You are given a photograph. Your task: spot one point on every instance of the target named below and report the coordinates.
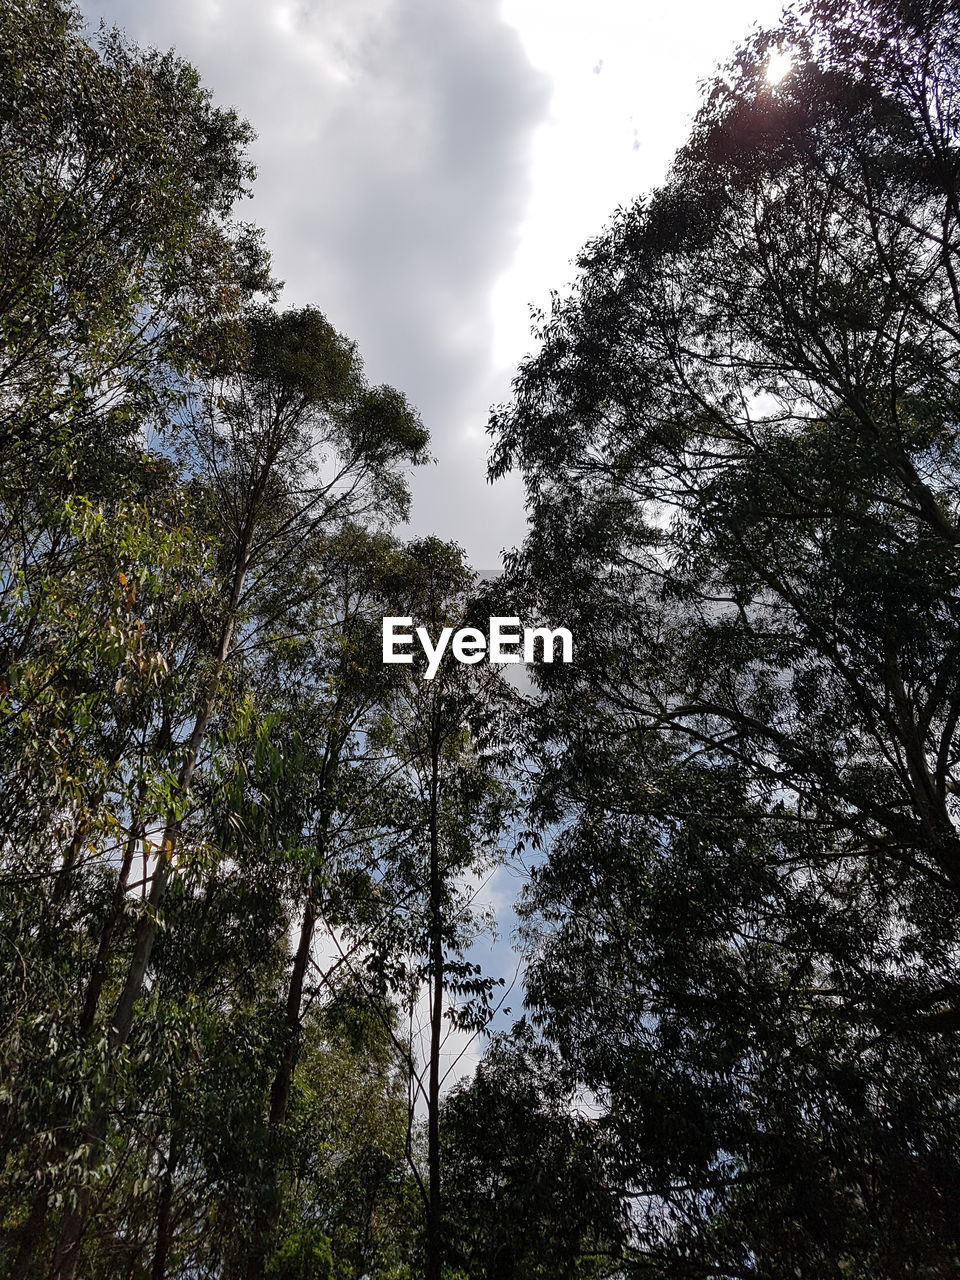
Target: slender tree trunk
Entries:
(98, 972)
(30, 1237)
(61, 886)
(164, 1213)
(290, 1051)
(434, 1244)
(283, 1079)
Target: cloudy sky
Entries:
(429, 168)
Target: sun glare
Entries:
(779, 65)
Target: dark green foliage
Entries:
(118, 178)
(739, 441)
(302, 1256)
(530, 1185)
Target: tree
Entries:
(194, 507)
(326, 678)
(119, 179)
(292, 443)
(530, 1191)
(741, 457)
(446, 745)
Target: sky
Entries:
(429, 169)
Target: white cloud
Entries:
(393, 159)
(428, 168)
(625, 87)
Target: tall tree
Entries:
(447, 745)
(189, 504)
(530, 1189)
(291, 443)
(739, 440)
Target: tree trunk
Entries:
(33, 1227)
(289, 1057)
(30, 1237)
(98, 972)
(164, 1215)
(434, 1245)
(283, 1079)
(282, 1082)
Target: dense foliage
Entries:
(742, 456)
(227, 876)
